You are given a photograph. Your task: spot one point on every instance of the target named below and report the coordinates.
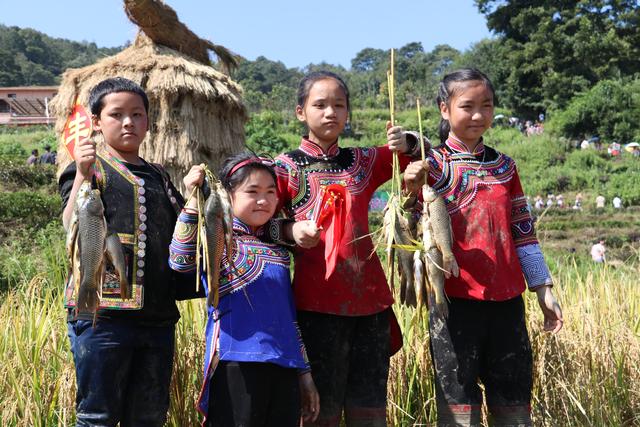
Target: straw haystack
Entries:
(196, 113)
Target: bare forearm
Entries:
(68, 209)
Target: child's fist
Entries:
(193, 178)
(306, 234)
(85, 156)
(396, 138)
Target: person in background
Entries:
(598, 252)
(48, 158)
(577, 205)
(600, 201)
(550, 200)
(617, 202)
(560, 201)
(33, 159)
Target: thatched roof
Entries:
(161, 24)
(196, 112)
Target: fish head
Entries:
(93, 204)
(428, 194)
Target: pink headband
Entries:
(263, 161)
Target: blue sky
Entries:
(294, 32)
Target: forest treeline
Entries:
(578, 61)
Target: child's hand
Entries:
(550, 309)
(414, 176)
(85, 156)
(309, 397)
(396, 139)
(193, 178)
(306, 234)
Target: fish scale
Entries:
(92, 231)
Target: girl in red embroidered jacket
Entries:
(344, 319)
(484, 336)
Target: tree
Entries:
(369, 59)
(558, 48)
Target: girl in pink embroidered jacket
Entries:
(496, 249)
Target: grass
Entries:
(585, 375)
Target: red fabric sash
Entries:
(331, 213)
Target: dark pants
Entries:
(123, 372)
(349, 359)
(252, 394)
(486, 341)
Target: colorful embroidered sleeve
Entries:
(530, 255)
(182, 250)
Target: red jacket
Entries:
(358, 285)
(493, 233)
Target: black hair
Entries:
(307, 82)
(34, 152)
(47, 147)
(114, 85)
(448, 87)
(231, 181)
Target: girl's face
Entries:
(123, 122)
(254, 200)
(470, 111)
(325, 112)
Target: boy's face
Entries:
(123, 121)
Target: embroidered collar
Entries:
(312, 149)
(241, 228)
(460, 147)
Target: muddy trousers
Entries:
(349, 357)
(251, 394)
(123, 372)
(484, 341)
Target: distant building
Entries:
(28, 105)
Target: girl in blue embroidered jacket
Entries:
(253, 331)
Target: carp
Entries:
(88, 242)
(400, 233)
(218, 233)
(115, 254)
(437, 241)
(91, 234)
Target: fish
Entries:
(440, 225)
(218, 233)
(419, 278)
(115, 254)
(91, 235)
(405, 261)
(437, 238)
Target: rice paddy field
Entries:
(586, 375)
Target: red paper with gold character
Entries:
(77, 129)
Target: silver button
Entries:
(141, 199)
(142, 245)
(143, 209)
(140, 273)
(142, 237)
(140, 263)
(142, 217)
(141, 253)
(141, 181)
(143, 227)
(169, 192)
(141, 190)
(173, 200)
